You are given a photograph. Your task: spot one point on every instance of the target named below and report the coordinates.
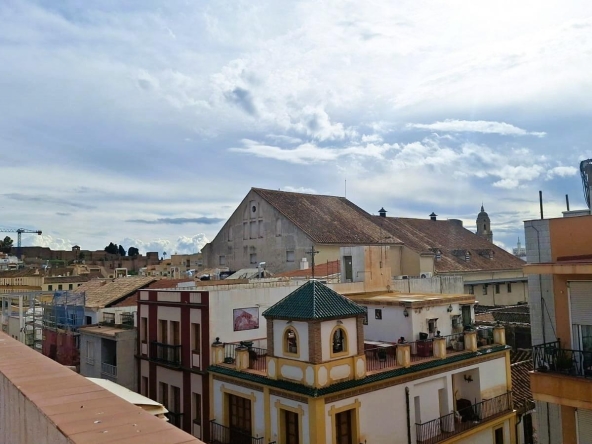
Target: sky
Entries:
(145, 122)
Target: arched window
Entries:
(291, 341)
(339, 340)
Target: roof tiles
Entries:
(103, 292)
(327, 219)
(452, 239)
(311, 301)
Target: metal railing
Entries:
(484, 336)
(378, 358)
(127, 320)
(175, 419)
(220, 434)
(165, 353)
(108, 319)
(257, 359)
(109, 370)
(446, 426)
(230, 352)
(551, 357)
(455, 342)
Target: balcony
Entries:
(382, 356)
(166, 354)
(220, 434)
(175, 419)
(257, 355)
(109, 370)
(445, 427)
(551, 357)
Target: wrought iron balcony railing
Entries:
(166, 353)
(551, 357)
(175, 419)
(441, 429)
(220, 434)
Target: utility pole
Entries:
(312, 253)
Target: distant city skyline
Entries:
(146, 123)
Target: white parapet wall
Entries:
(436, 284)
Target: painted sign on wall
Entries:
(245, 318)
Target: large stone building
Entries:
(280, 228)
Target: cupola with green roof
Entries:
(315, 336)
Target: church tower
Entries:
(484, 225)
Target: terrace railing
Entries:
(220, 434)
(551, 357)
(443, 428)
(166, 353)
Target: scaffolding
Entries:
(21, 316)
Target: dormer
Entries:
(315, 337)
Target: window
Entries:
(253, 258)
(254, 233)
(497, 288)
(49, 287)
(195, 338)
(59, 286)
(339, 341)
(466, 315)
(484, 227)
(245, 230)
(498, 435)
(229, 235)
(343, 427)
(196, 408)
(239, 413)
(163, 394)
(290, 256)
(290, 341)
(278, 227)
(378, 313)
(144, 330)
(90, 352)
(484, 289)
(88, 320)
(175, 399)
(471, 289)
(175, 333)
(222, 260)
(432, 326)
(290, 428)
(144, 386)
(509, 287)
(261, 229)
(70, 287)
(163, 331)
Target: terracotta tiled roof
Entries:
(521, 393)
(104, 292)
(327, 219)
(67, 279)
(453, 240)
(322, 270)
(24, 272)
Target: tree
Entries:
(133, 251)
(121, 250)
(112, 248)
(6, 245)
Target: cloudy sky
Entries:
(146, 122)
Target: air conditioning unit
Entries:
(403, 276)
(426, 275)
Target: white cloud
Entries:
(562, 171)
(299, 190)
(46, 240)
(182, 245)
(476, 126)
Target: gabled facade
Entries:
(279, 228)
(323, 380)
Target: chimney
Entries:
(433, 216)
(382, 212)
